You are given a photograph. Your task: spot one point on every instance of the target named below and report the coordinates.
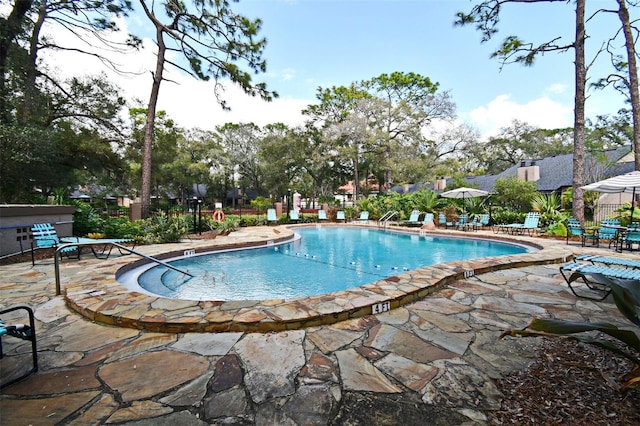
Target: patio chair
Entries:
(44, 235)
(340, 216)
(22, 332)
(631, 236)
(463, 222)
(609, 260)
(271, 216)
(294, 216)
(589, 275)
(442, 221)
(607, 232)
(322, 215)
(575, 229)
(428, 217)
(364, 216)
(530, 225)
(414, 219)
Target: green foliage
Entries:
(626, 295)
(86, 219)
(162, 228)
(122, 227)
(514, 194)
(501, 215)
(624, 214)
(230, 224)
(557, 229)
(261, 203)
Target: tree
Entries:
(410, 103)
(213, 40)
(486, 16)
(625, 77)
(517, 142)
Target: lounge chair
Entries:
(294, 216)
(322, 215)
(22, 332)
(364, 216)
(589, 275)
(428, 217)
(609, 260)
(271, 216)
(414, 219)
(44, 235)
(479, 221)
(529, 226)
(340, 216)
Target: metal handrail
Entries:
(56, 258)
(386, 217)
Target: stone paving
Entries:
(430, 360)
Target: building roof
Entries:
(556, 172)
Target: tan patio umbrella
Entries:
(629, 182)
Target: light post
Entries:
(288, 201)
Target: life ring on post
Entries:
(218, 216)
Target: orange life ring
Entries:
(218, 216)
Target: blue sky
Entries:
(326, 43)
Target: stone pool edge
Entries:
(98, 296)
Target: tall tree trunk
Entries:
(149, 128)
(623, 14)
(578, 123)
(9, 30)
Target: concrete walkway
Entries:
(430, 361)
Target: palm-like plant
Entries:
(626, 295)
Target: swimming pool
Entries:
(322, 260)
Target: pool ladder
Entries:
(382, 222)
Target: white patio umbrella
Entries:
(629, 182)
(464, 193)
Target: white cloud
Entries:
(501, 111)
(188, 101)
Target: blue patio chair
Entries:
(575, 229)
(631, 236)
(322, 215)
(44, 236)
(428, 217)
(530, 225)
(271, 216)
(608, 231)
(609, 260)
(22, 332)
(589, 273)
(463, 222)
(294, 216)
(414, 219)
(340, 216)
(442, 221)
(364, 216)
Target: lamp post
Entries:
(288, 201)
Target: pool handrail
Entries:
(56, 259)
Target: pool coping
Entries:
(98, 296)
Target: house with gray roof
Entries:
(551, 174)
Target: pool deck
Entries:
(319, 360)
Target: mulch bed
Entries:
(568, 383)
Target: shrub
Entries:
(162, 228)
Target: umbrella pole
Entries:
(633, 203)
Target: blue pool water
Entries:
(323, 260)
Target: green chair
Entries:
(44, 235)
